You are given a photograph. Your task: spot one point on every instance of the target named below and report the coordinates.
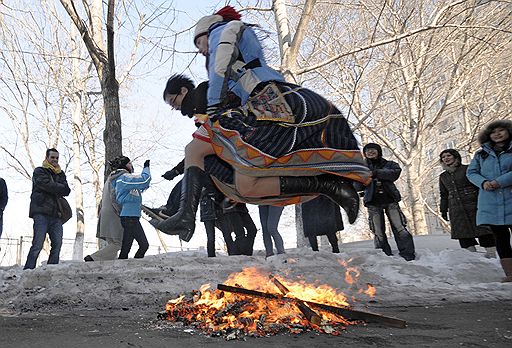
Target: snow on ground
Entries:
(442, 273)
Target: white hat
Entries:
(205, 23)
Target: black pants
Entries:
(333, 240)
(133, 230)
(484, 241)
(502, 236)
(245, 232)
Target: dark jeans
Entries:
(502, 236)
(245, 232)
(333, 240)
(45, 224)
(133, 230)
(269, 217)
(225, 227)
(224, 224)
(484, 241)
(398, 224)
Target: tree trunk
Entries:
(112, 135)
(418, 225)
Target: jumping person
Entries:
(284, 141)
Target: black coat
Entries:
(384, 174)
(3, 195)
(46, 187)
(321, 216)
(459, 198)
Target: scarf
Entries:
(48, 165)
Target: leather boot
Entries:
(506, 264)
(183, 223)
(339, 190)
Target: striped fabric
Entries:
(319, 141)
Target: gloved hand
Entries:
(170, 174)
(444, 215)
(146, 164)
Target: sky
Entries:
(443, 273)
(151, 130)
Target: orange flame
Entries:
(218, 311)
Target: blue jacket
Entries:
(128, 188)
(494, 207)
(236, 62)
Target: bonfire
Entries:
(255, 303)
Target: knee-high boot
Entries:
(339, 190)
(184, 221)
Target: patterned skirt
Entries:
(316, 140)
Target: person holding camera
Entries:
(128, 190)
(382, 196)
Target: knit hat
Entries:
(373, 146)
(227, 13)
(119, 162)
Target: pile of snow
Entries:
(441, 272)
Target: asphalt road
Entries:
(486, 324)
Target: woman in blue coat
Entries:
(128, 189)
(491, 171)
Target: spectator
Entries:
(242, 225)
(269, 217)
(212, 216)
(382, 196)
(321, 217)
(491, 171)
(458, 198)
(109, 226)
(48, 183)
(3, 203)
(128, 192)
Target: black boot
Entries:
(184, 221)
(338, 189)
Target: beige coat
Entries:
(109, 223)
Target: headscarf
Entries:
(227, 13)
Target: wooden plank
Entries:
(347, 312)
(310, 314)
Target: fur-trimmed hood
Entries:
(485, 133)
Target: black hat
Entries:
(119, 162)
(373, 146)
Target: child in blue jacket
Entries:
(128, 189)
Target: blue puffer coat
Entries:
(128, 188)
(494, 207)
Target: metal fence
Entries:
(13, 251)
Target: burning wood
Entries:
(303, 307)
(347, 312)
(233, 310)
